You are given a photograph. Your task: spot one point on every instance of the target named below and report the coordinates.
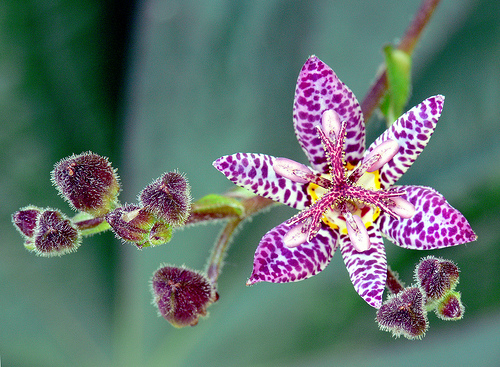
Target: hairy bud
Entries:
(136, 224)
(436, 277)
(25, 220)
(54, 235)
(168, 197)
(182, 295)
(87, 182)
(404, 314)
(450, 307)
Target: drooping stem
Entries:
(215, 263)
(407, 44)
(392, 283)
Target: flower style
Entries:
(347, 196)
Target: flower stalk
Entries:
(407, 45)
(252, 205)
(393, 283)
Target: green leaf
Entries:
(399, 83)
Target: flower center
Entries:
(333, 217)
(345, 196)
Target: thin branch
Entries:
(215, 263)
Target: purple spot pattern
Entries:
(319, 89)
(367, 270)
(436, 224)
(412, 132)
(255, 173)
(276, 263)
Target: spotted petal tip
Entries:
(412, 132)
(319, 89)
(276, 263)
(435, 224)
(367, 269)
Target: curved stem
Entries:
(215, 263)
(407, 44)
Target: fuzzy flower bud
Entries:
(182, 295)
(54, 235)
(168, 197)
(87, 182)
(136, 224)
(404, 314)
(25, 220)
(436, 277)
(450, 307)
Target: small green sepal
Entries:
(398, 65)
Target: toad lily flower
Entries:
(346, 196)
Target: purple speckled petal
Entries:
(318, 89)
(255, 173)
(276, 263)
(412, 131)
(435, 224)
(368, 269)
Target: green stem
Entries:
(407, 44)
(215, 263)
(92, 226)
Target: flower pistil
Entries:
(348, 198)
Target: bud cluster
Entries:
(136, 224)
(91, 186)
(47, 232)
(405, 311)
(437, 278)
(163, 205)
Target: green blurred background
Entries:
(161, 85)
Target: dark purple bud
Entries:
(168, 197)
(88, 182)
(135, 224)
(436, 277)
(25, 220)
(450, 307)
(182, 295)
(404, 314)
(55, 235)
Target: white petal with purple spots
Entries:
(276, 263)
(435, 224)
(367, 269)
(319, 89)
(255, 173)
(412, 131)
